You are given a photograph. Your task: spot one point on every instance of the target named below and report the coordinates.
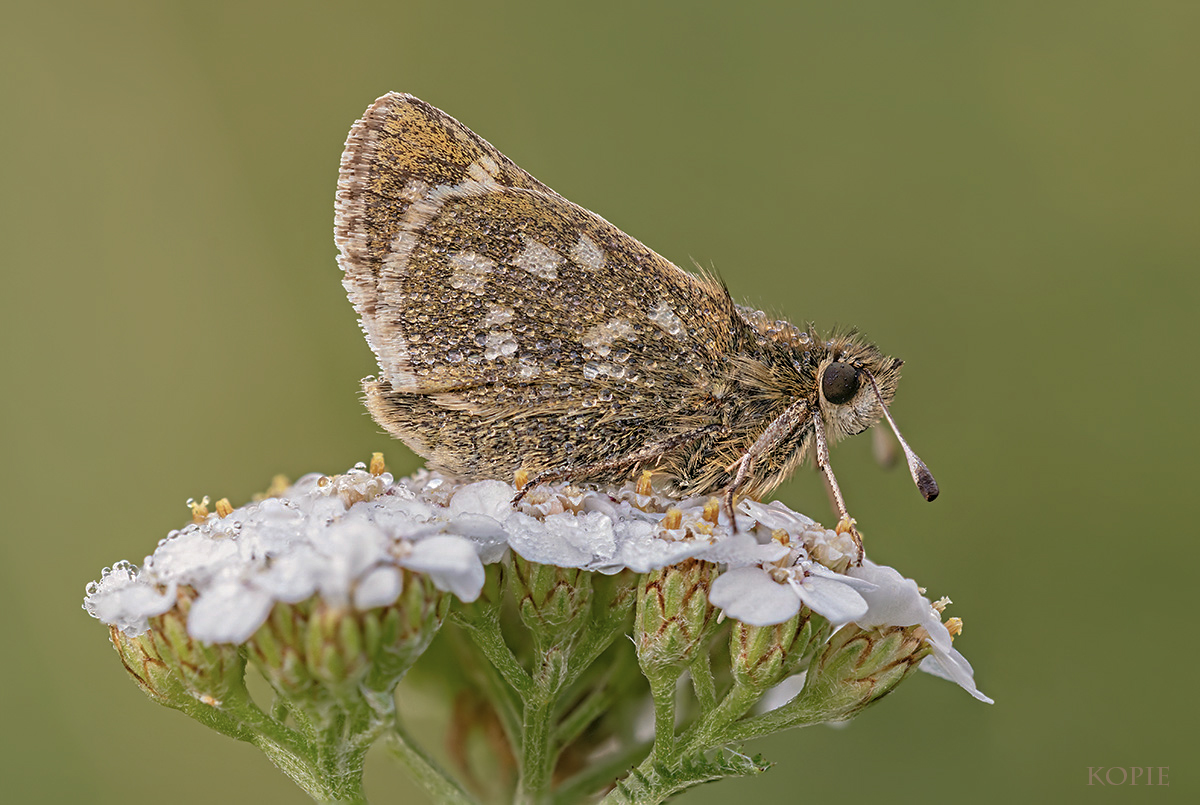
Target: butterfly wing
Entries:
(489, 299)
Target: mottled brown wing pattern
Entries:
(495, 305)
(396, 156)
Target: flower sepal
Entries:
(857, 668)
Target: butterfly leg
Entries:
(846, 523)
(780, 428)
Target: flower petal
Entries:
(741, 549)
(775, 515)
(378, 588)
(749, 595)
(953, 666)
(838, 602)
(452, 564)
(896, 601)
(123, 599)
(492, 498)
(565, 540)
(228, 612)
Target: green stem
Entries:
(424, 771)
(327, 773)
(714, 729)
(577, 720)
(704, 684)
(305, 762)
(798, 713)
(662, 689)
(535, 752)
(486, 634)
(341, 754)
(651, 782)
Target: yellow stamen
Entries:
(279, 485)
(643, 484)
(673, 519)
(199, 509)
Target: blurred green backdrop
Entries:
(1002, 193)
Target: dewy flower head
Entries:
(333, 588)
(771, 593)
(347, 538)
(869, 596)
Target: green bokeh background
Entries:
(1005, 194)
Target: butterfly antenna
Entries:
(921, 475)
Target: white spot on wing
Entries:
(414, 189)
(499, 343)
(470, 271)
(482, 172)
(496, 315)
(528, 368)
(595, 369)
(539, 260)
(489, 165)
(664, 316)
(600, 338)
(588, 254)
(426, 204)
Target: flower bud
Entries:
(175, 669)
(674, 619)
(316, 649)
(858, 667)
(763, 656)
(554, 602)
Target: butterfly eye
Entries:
(839, 383)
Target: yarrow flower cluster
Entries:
(334, 587)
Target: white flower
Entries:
(478, 511)
(642, 547)
(775, 515)
(349, 538)
(346, 539)
(123, 600)
(603, 532)
(762, 597)
(228, 612)
(897, 601)
(451, 562)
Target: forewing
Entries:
(467, 272)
